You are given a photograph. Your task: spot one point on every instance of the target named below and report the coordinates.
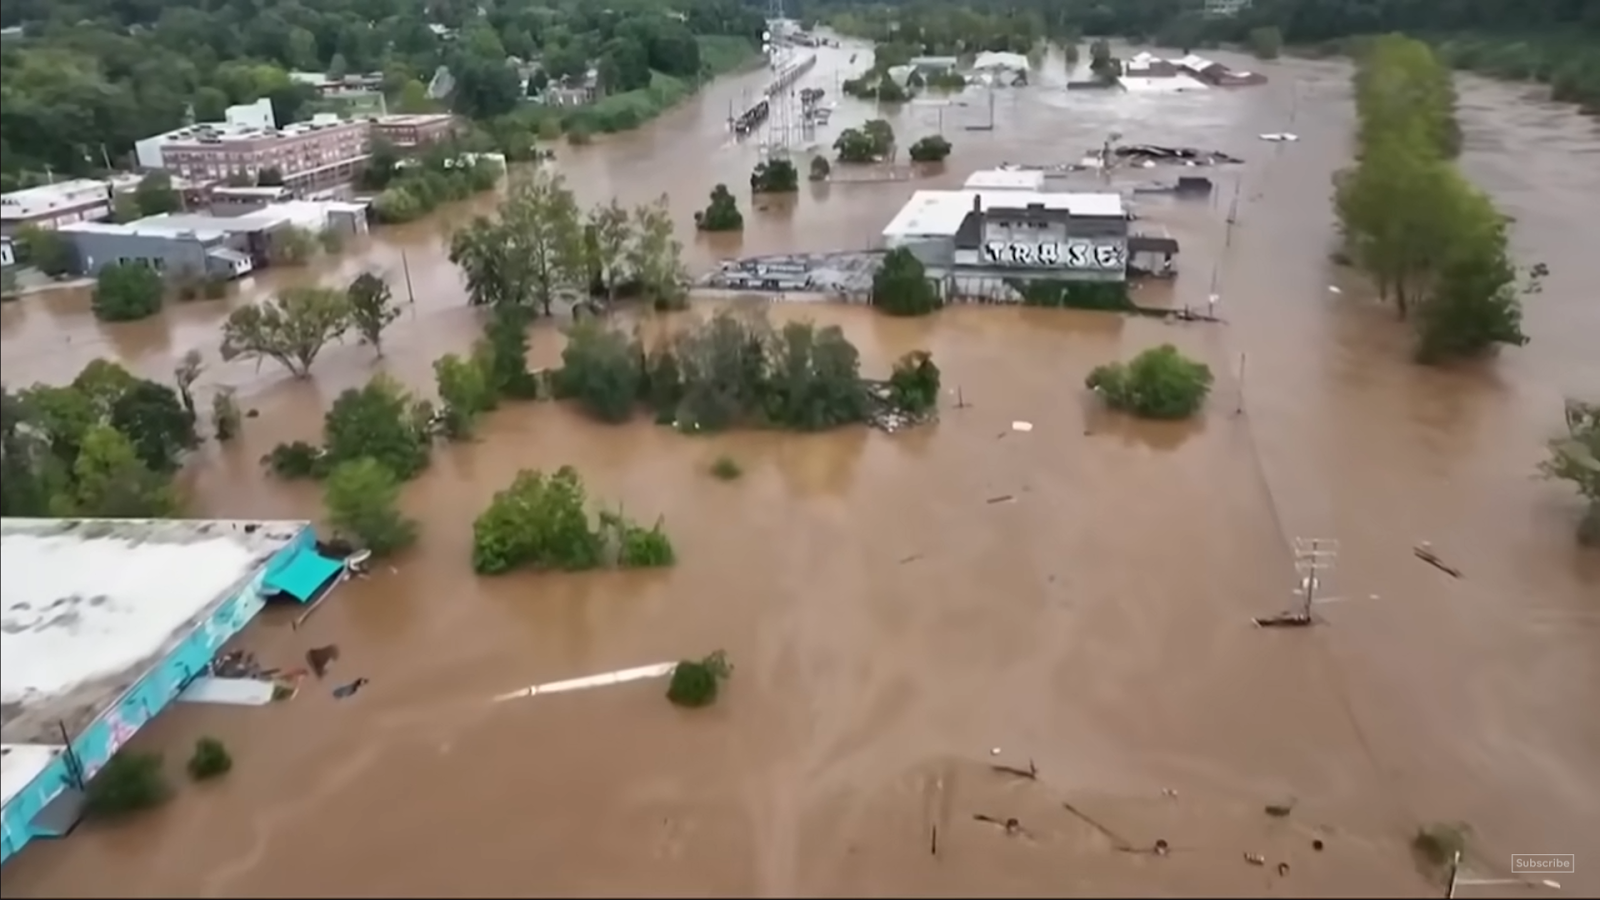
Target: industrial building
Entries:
(106, 623)
(221, 247)
(975, 240)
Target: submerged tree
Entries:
(721, 214)
(1575, 458)
(372, 308)
(291, 330)
(655, 256)
(529, 253)
(901, 287)
(1159, 383)
(362, 499)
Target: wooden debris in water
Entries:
(1031, 772)
(1432, 559)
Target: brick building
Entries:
(414, 130)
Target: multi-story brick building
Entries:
(414, 130)
(325, 150)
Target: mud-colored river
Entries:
(889, 627)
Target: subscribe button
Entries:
(1544, 863)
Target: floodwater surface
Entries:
(895, 627)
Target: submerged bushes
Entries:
(543, 522)
(1159, 383)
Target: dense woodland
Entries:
(88, 78)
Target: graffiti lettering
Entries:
(1109, 256)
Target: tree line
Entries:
(90, 77)
(1557, 42)
(1434, 244)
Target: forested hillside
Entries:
(86, 78)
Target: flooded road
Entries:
(889, 627)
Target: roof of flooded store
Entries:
(942, 212)
(90, 605)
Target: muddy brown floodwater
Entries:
(1097, 625)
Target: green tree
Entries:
(226, 419)
(110, 482)
(363, 502)
(156, 196)
(901, 287)
(529, 253)
(539, 522)
(914, 382)
(209, 760)
(655, 256)
(722, 214)
(613, 232)
(1575, 458)
(466, 389)
(600, 369)
(1266, 42)
(775, 176)
(933, 148)
(372, 308)
(698, 682)
(46, 251)
(1160, 383)
(155, 422)
(291, 330)
(377, 422)
(129, 781)
(185, 374)
(125, 292)
(820, 169)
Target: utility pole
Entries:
(1312, 557)
(411, 295)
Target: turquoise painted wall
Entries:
(152, 694)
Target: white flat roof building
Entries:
(53, 205)
(1005, 180)
(87, 607)
(930, 214)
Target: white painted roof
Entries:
(20, 764)
(1005, 179)
(996, 60)
(153, 227)
(940, 213)
(87, 605)
(63, 195)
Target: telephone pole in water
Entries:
(1312, 558)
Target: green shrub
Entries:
(726, 468)
(128, 782)
(1159, 383)
(696, 683)
(210, 759)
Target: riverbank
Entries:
(719, 55)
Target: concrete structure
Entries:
(1225, 9)
(415, 130)
(51, 206)
(1217, 74)
(8, 252)
(105, 623)
(325, 150)
(972, 242)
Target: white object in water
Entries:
(356, 563)
(1281, 137)
(620, 676)
(228, 691)
(995, 751)
(1021, 426)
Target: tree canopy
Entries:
(90, 77)
(103, 446)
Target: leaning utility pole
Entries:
(1312, 557)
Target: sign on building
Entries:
(1081, 255)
